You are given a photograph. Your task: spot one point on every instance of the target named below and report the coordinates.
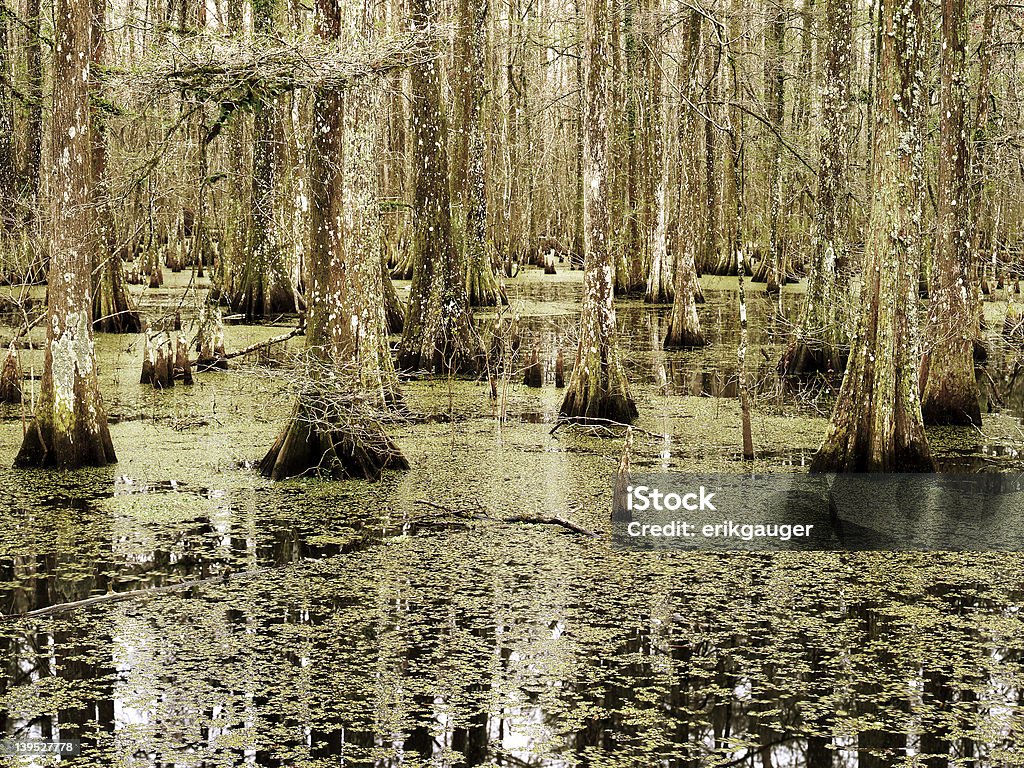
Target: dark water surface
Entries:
(354, 624)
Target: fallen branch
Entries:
(586, 421)
(261, 344)
(545, 520)
(479, 511)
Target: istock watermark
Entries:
(641, 498)
(798, 511)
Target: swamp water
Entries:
(350, 623)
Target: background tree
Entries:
(70, 425)
(438, 331)
(876, 423)
(113, 310)
(822, 334)
(484, 290)
(8, 160)
(684, 324)
(598, 386)
(951, 389)
(335, 425)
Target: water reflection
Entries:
(349, 623)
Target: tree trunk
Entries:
(70, 425)
(438, 333)
(818, 346)
(660, 280)
(113, 310)
(31, 172)
(264, 285)
(335, 424)
(774, 96)
(8, 170)
(598, 386)
(684, 326)
(951, 392)
(876, 424)
(484, 290)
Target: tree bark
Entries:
(876, 424)
(70, 425)
(438, 331)
(598, 386)
(951, 392)
(335, 423)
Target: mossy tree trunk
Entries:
(876, 424)
(335, 426)
(823, 331)
(684, 326)
(598, 386)
(70, 425)
(113, 310)
(438, 333)
(951, 389)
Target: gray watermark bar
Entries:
(797, 511)
(40, 747)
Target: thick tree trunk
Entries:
(113, 310)
(823, 332)
(951, 392)
(70, 425)
(684, 326)
(598, 386)
(876, 424)
(438, 332)
(335, 426)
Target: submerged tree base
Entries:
(606, 398)
(45, 447)
(311, 444)
(953, 407)
(684, 338)
(804, 359)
